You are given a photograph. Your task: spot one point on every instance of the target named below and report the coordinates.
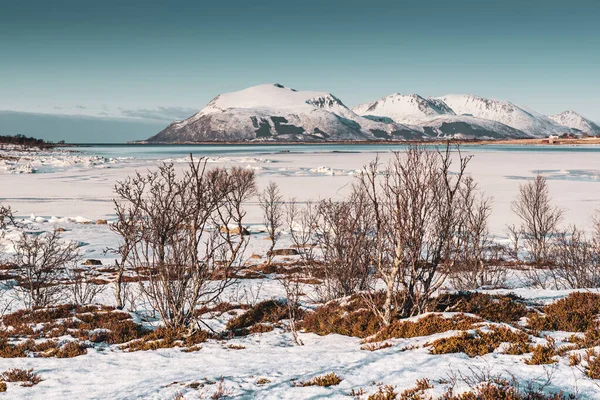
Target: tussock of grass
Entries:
(418, 392)
(90, 323)
(425, 326)
(501, 388)
(576, 313)
(26, 376)
(543, 354)
(330, 379)
(480, 343)
(352, 318)
(167, 338)
(269, 311)
(386, 392)
(495, 308)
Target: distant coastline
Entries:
(536, 141)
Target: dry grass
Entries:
(330, 379)
(350, 318)
(26, 376)
(263, 381)
(543, 354)
(480, 343)
(163, 338)
(386, 392)
(90, 323)
(592, 367)
(495, 308)
(576, 313)
(269, 311)
(417, 392)
(425, 326)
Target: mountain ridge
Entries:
(273, 112)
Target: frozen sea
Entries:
(79, 181)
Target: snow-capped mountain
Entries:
(410, 109)
(272, 112)
(435, 117)
(275, 112)
(575, 121)
(504, 112)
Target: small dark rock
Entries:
(283, 252)
(92, 262)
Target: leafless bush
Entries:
(415, 210)
(476, 263)
(41, 260)
(128, 212)
(6, 216)
(187, 231)
(576, 261)
(271, 203)
(82, 290)
(539, 218)
(302, 224)
(344, 237)
(293, 292)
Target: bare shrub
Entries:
(415, 210)
(82, 290)
(6, 216)
(539, 218)
(41, 261)
(271, 203)
(344, 237)
(128, 210)
(293, 292)
(187, 231)
(576, 261)
(477, 260)
(302, 223)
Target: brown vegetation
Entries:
(330, 379)
(575, 313)
(480, 343)
(495, 308)
(425, 326)
(254, 319)
(26, 376)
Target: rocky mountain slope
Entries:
(504, 112)
(575, 121)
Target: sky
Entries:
(146, 63)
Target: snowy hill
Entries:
(411, 109)
(504, 112)
(273, 112)
(575, 121)
(435, 117)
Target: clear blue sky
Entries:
(163, 60)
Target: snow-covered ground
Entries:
(72, 190)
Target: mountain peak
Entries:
(404, 108)
(573, 120)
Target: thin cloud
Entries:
(160, 113)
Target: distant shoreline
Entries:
(537, 141)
